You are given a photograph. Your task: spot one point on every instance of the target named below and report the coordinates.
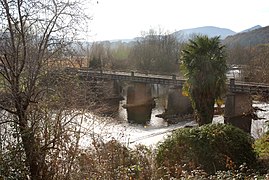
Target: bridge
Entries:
(238, 100)
(233, 86)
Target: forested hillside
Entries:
(251, 38)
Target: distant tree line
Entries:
(253, 59)
(153, 52)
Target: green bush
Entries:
(211, 147)
(262, 146)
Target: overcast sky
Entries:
(125, 19)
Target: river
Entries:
(156, 130)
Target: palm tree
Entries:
(204, 62)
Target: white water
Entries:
(156, 130)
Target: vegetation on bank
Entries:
(211, 147)
(214, 151)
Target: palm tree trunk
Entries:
(204, 106)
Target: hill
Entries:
(210, 31)
(249, 38)
(252, 28)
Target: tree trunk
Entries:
(30, 145)
(204, 106)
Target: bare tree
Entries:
(257, 68)
(32, 33)
(239, 55)
(156, 51)
(100, 55)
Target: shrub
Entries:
(112, 160)
(262, 146)
(211, 147)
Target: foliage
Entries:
(95, 63)
(99, 55)
(262, 146)
(257, 68)
(212, 147)
(112, 160)
(239, 55)
(155, 52)
(33, 35)
(203, 60)
(120, 56)
(12, 157)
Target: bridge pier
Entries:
(108, 97)
(177, 105)
(114, 98)
(238, 110)
(139, 103)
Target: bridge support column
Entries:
(139, 103)
(177, 105)
(109, 98)
(238, 110)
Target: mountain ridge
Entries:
(210, 31)
(249, 38)
(185, 34)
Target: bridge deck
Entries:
(141, 78)
(232, 86)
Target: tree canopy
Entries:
(32, 34)
(204, 63)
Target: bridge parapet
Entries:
(248, 87)
(140, 78)
(232, 86)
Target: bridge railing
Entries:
(169, 80)
(232, 85)
(136, 72)
(248, 87)
(130, 73)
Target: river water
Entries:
(155, 131)
(106, 128)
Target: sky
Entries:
(126, 19)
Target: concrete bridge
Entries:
(233, 86)
(140, 102)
